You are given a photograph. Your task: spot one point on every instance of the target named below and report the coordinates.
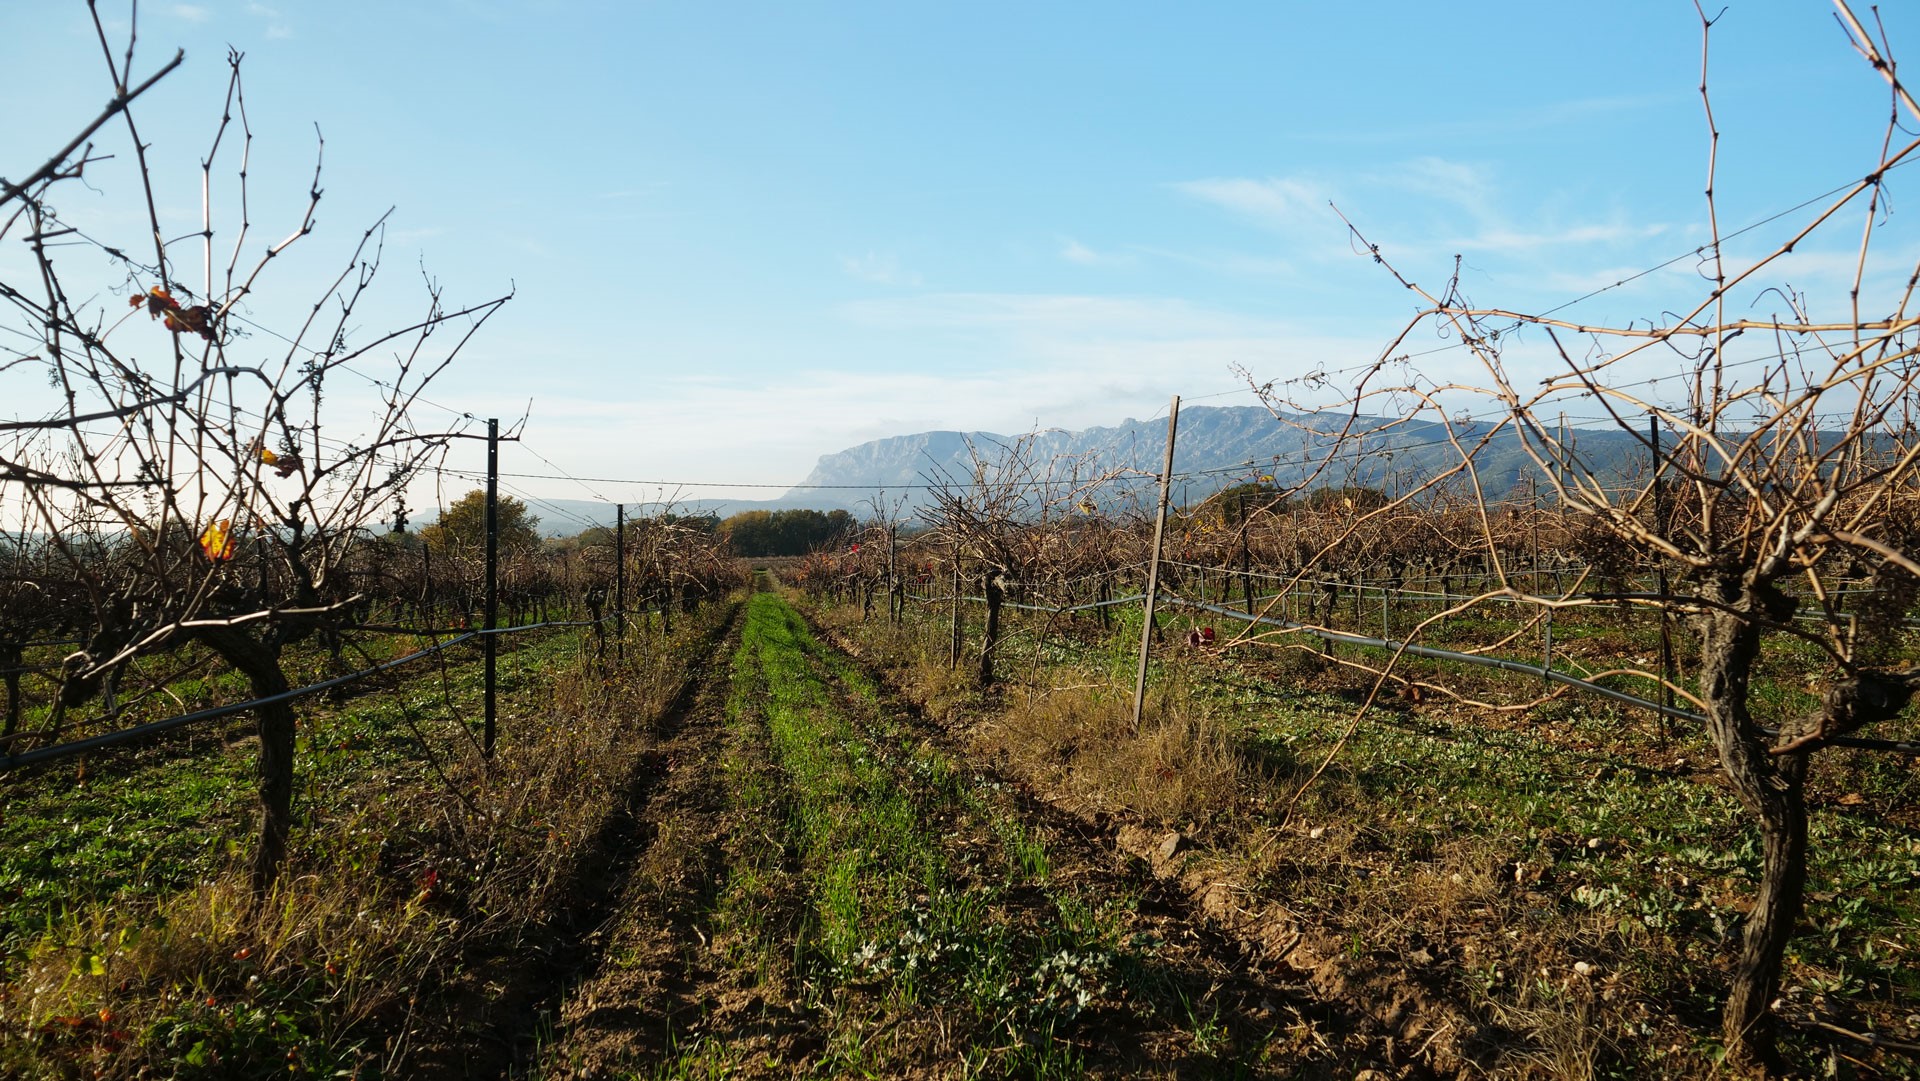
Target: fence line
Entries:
(140, 731)
(1537, 670)
(1376, 585)
(1434, 652)
(1901, 746)
(1056, 610)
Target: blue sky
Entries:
(744, 235)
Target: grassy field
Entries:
(788, 841)
(1552, 892)
(132, 946)
(860, 903)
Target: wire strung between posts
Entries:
(1521, 667)
(1379, 585)
(1075, 608)
(1540, 670)
(125, 735)
(46, 754)
(1035, 607)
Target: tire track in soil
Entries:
(649, 983)
(1248, 993)
(660, 982)
(1219, 932)
(495, 1015)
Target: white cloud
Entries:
(778, 430)
(193, 13)
(1226, 262)
(276, 31)
(1055, 315)
(1421, 213)
(1581, 282)
(1075, 252)
(1501, 239)
(880, 268)
(995, 362)
(1469, 187)
(1276, 202)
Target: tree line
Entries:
(756, 533)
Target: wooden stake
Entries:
(1153, 566)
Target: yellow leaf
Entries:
(217, 542)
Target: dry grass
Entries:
(122, 994)
(1183, 768)
(392, 877)
(1564, 908)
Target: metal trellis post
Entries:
(1660, 583)
(488, 647)
(620, 581)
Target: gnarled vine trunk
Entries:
(260, 663)
(1772, 788)
(996, 594)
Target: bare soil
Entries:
(639, 980)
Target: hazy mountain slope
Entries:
(1219, 446)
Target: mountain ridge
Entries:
(1216, 447)
(1212, 440)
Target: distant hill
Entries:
(1218, 446)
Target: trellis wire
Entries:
(140, 731)
(1538, 670)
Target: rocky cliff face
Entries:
(895, 462)
(1218, 447)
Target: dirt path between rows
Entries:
(1416, 1030)
(497, 1015)
(658, 986)
(660, 989)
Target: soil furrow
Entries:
(659, 986)
(820, 882)
(1249, 977)
(498, 1014)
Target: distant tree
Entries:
(785, 532)
(1230, 506)
(829, 527)
(399, 539)
(1350, 498)
(599, 536)
(464, 525)
(750, 532)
